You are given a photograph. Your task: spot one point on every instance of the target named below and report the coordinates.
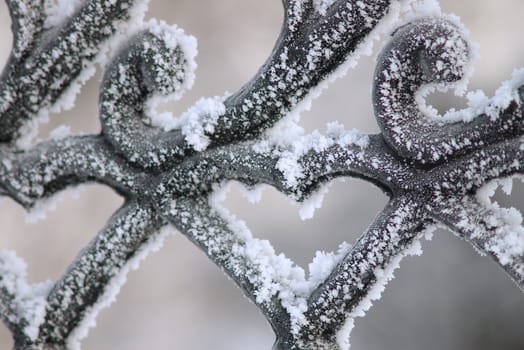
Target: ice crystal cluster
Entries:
(437, 170)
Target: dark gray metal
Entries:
(430, 169)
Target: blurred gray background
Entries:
(449, 298)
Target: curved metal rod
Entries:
(431, 51)
(156, 62)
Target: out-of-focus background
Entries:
(449, 298)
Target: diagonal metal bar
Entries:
(493, 231)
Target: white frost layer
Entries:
(313, 202)
(113, 287)
(29, 300)
(383, 276)
(508, 243)
(274, 274)
(477, 101)
(321, 6)
(173, 37)
(43, 206)
(199, 121)
(323, 264)
(252, 194)
(60, 132)
(124, 32)
(29, 130)
(39, 211)
(290, 144)
(57, 11)
(396, 16)
(459, 87)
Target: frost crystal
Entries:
(437, 170)
(198, 123)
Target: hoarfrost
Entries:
(58, 10)
(172, 36)
(28, 300)
(464, 60)
(313, 202)
(343, 334)
(399, 13)
(507, 243)
(200, 120)
(60, 132)
(321, 6)
(124, 32)
(289, 143)
(423, 8)
(383, 276)
(30, 130)
(196, 124)
(252, 193)
(323, 263)
(40, 209)
(275, 274)
(477, 101)
(113, 287)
